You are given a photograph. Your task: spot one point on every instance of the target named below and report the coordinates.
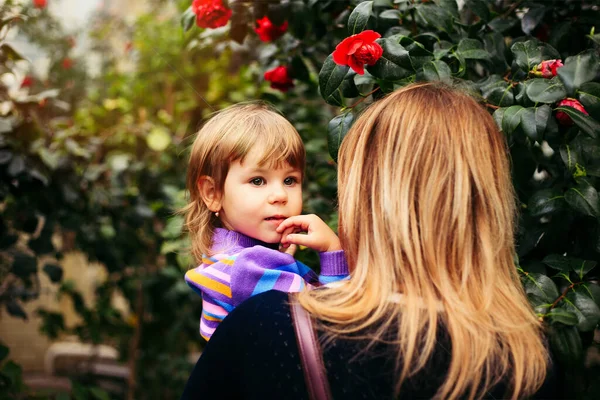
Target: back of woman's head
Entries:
(427, 209)
(229, 135)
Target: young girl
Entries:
(245, 178)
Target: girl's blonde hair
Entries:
(427, 209)
(229, 136)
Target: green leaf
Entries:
(437, 71)
(336, 131)
(560, 262)
(542, 117)
(394, 62)
(419, 55)
(586, 310)
(570, 156)
(566, 345)
(10, 53)
(393, 15)
(472, 49)
(441, 48)
(589, 96)
(511, 119)
(562, 316)
(3, 352)
(357, 22)
(584, 122)
(540, 286)
(480, 8)
(528, 124)
(584, 199)
(187, 19)
(532, 18)
(435, 16)
(545, 201)
(13, 372)
(501, 25)
(543, 90)
(299, 69)
(54, 272)
(584, 267)
(578, 70)
(331, 77)
(567, 264)
(79, 391)
(495, 45)
(99, 394)
(449, 5)
(592, 290)
(496, 91)
(527, 54)
(349, 89)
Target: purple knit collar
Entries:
(223, 236)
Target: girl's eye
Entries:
(290, 181)
(257, 181)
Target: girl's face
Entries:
(257, 199)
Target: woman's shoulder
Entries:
(257, 318)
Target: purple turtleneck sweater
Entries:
(244, 267)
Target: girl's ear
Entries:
(209, 193)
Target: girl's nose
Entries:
(278, 195)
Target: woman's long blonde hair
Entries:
(427, 209)
(229, 135)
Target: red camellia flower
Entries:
(267, 31)
(358, 50)
(211, 13)
(547, 69)
(563, 117)
(67, 63)
(40, 3)
(280, 78)
(27, 81)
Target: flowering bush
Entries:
(358, 50)
(534, 65)
(280, 78)
(40, 3)
(547, 69)
(210, 13)
(267, 31)
(562, 117)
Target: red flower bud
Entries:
(547, 69)
(40, 3)
(562, 117)
(267, 31)
(280, 78)
(210, 13)
(67, 63)
(358, 50)
(27, 81)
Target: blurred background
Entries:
(99, 100)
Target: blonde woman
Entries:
(433, 307)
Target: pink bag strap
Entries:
(310, 352)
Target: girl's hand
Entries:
(318, 235)
(288, 249)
